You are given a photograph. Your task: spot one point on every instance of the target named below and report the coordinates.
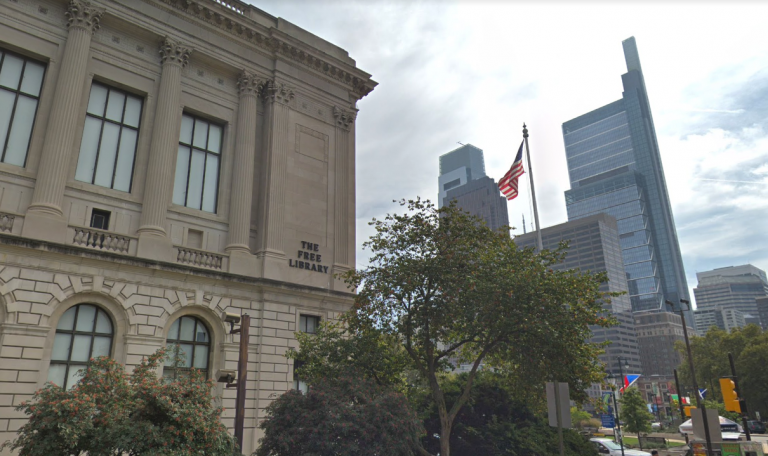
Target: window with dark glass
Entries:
(100, 219)
(20, 82)
(298, 383)
(189, 345)
(197, 166)
(110, 135)
(309, 323)
(84, 332)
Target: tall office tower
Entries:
(657, 333)
(733, 287)
(615, 167)
(762, 311)
(725, 319)
(462, 178)
(594, 247)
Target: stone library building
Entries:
(163, 162)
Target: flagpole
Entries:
(533, 192)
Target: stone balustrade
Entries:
(101, 240)
(199, 258)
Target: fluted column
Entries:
(45, 218)
(241, 260)
(153, 240)
(277, 96)
(343, 190)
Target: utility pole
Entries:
(680, 403)
(742, 402)
(699, 402)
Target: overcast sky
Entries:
(473, 72)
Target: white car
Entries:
(608, 446)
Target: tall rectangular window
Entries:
(111, 131)
(197, 166)
(20, 82)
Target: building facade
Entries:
(732, 287)
(614, 165)
(657, 333)
(725, 319)
(594, 247)
(164, 162)
(463, 179)
(762, 311)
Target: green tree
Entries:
(342, 416)
(109, 412)
(634, 412)
(449, 290)
(749, 346)
(335, 350)
(580, 418)
(494, 422)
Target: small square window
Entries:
(100, 219)
(309, 323)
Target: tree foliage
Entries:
(749, 346)
(494, 422)
(335, 350)
(634, 412)
(449, 290)
(109, 412)
(343, 416)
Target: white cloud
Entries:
(475, 71)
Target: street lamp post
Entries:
(616, 404)
(699, 402)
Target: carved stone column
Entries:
(154, 242)
(271, 246)
(344, 190)
(241, 261)
(45, 218)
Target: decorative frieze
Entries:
(360, 84)
(80, 13)
(173, 52)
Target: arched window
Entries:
(189, 344)
(84, 332)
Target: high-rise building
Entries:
(594, 247)
(463, 179)
(725, 319)
(732, 287)
(762, 311)
(164, 162)
(615, 167)
(657, 333)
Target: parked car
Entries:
(656, 426)
(609, 447)
(756, 427)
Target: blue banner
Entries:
(607, 421)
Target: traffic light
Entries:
(730, 395)
(687, 410)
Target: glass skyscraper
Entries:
(615, 167)
(463, 179)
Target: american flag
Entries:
(508, 183)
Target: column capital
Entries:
(81, 14)
(249, 84)
(343, 117)
(173, 52)
(277, 91)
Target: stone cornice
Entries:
(235, 22)
(249, 84)
(343, 117)
(81, 14)
(174, 52)
(278, 91)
